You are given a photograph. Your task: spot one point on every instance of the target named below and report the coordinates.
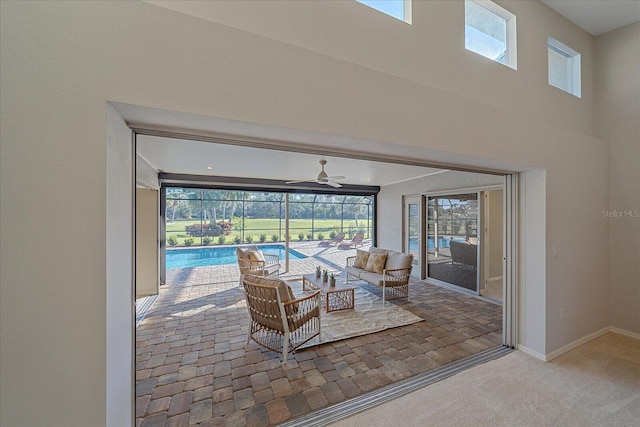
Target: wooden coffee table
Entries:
(333, 298)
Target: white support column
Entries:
(286, 232)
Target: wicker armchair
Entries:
(279, 321)
(252, 261)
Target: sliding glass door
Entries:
(452, 239)
(413, 232)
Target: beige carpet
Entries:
(368, 316)
(597, 384)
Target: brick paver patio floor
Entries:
(193, 366)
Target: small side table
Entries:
(333, 298)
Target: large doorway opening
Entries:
(200, 306)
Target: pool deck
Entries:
(330, 258)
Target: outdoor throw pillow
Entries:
(361, 259)
(375, 264)
(243, 257)
(256, 255)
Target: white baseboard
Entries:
(577, 343)
(494, 279)
(625, 333)
(530, 352)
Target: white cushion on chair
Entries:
(375, 250)
(397, 260)
(354, 271)
(249, 253)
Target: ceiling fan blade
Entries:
(322, 178)
(302, 180)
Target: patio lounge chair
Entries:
(354, 243)
(279, 321)
(335, 241)
(252, 261)
(463, 254)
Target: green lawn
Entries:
(254, 227)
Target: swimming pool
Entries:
(443, 242)
(200, 257)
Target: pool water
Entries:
(443, 242)
(200, 257)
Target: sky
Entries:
(394, 8)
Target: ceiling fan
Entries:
(322, 178)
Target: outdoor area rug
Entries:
(367, 317)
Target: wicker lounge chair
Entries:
(279, 321)
(335, 241)
(354, 243)
(252, 261)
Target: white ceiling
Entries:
(193, 157)
(597, 16)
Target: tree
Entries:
(179, 204)
(354, 206)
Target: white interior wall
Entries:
(147, 242)
(430, 51)
(62, 62)
(618, 122)
(532, 216)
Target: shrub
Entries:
(263, 238)
(172, 241)
(189, 241)
(194, 230)
(309, 236)
(320, 236)
(221, 240)
(211, 229)
(206, 240)
(301, 237)
(275, 238)
(332, 234)
(226, 227)
(237, 240)
(248, 238)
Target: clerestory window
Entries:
(399, 9)
(490, 31)
(564, 67)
